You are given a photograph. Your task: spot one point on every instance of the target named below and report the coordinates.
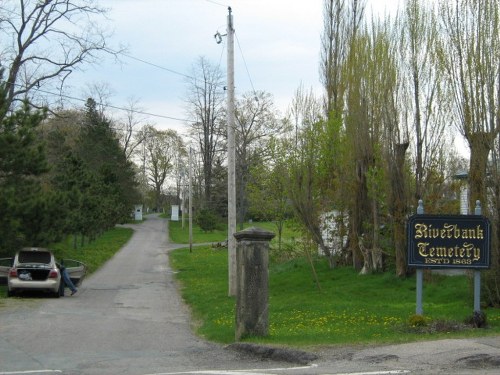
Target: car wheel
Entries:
(10, 293)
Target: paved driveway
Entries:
(128, 319)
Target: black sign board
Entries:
(449, 241)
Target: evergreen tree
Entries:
(111, 176)
(22, 161)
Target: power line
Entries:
(245, 63)
(216, 3)
(149, 63)
(60, 95)
(144, 62)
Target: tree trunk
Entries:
(480, 144)
(359, 209)
(398, 206)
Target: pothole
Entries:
(480, 361)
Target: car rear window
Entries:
(34, 257)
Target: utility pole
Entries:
(231, 159)
(190, 199)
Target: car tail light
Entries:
(53, 274)
(13, 272)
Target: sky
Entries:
(277, 49)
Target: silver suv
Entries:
(35, 269)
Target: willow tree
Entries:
(334, 43)
(303, 147)
(340, 75)
(469, 56)
(469, 52)
(423, 86)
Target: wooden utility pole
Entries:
(231, 159)
(190, 199)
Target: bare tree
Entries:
(129, 128)
(101, 92)
(43, 41)
(180, 167)
(205, 103)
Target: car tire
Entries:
(10, 293)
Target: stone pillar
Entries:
(252, 270)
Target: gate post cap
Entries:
(254, 234)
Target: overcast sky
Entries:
(278, 39)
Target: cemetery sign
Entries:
(449, 241)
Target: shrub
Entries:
(477, 320)
(417, 321)
(207, 220)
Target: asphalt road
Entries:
(128, 319)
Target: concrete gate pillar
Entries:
(252, 279)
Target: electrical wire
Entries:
(106, 105)
(144, 62)
(245, 63)
(216, 3)
(148, 63)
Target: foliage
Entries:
(267, 192)
(207, 220)
(349, 308)
(26, 207)
(90, 172)
(256, 125)
(304, 175)
(417, 320)
(163, 151)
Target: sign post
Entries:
(449, 241)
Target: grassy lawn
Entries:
(181, 235)
(346, 309)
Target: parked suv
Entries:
(36, 269)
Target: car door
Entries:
(5, 266)
(76, 270)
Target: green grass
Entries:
(181, 235)
(97, 252)
(349, 308)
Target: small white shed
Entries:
(138, 212)
(175, 213)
